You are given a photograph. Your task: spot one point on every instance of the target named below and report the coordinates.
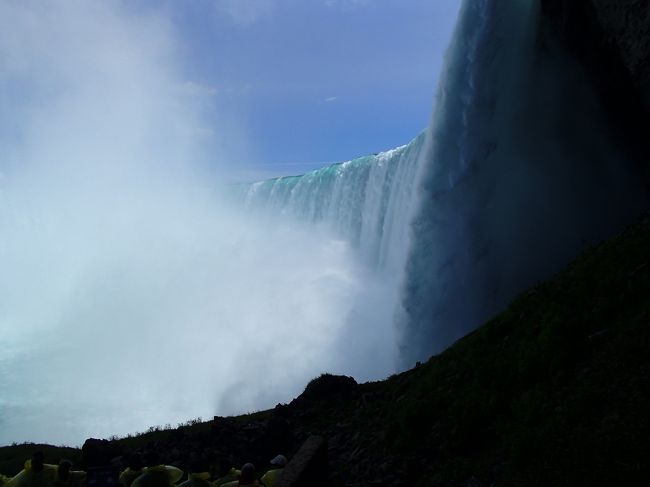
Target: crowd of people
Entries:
(147, 472)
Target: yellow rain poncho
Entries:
(200, 479)
(128, 476)
(29, 478)
(75, 477)
(159, 476)
(232, 476)
(271, 478)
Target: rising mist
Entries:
(132, 292)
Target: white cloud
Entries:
(331, 99)
(245, 12)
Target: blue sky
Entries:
(299, 83)
(261, 87)
(118, 115)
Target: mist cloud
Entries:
(131, 292)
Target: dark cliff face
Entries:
(610, 39)
(617, 29)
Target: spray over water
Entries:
(132, 291)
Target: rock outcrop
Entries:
(610, 39)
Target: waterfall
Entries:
(362, 201)
(516, 174)
(119, 265)
(519, 173)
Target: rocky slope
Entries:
(554, 391)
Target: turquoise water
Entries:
(365, 201)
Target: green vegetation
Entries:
(553, 391)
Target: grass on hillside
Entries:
(553, 391)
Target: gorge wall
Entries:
(610, 40)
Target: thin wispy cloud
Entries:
(245, 12)
(193, 88)
(331, 99)
(346, 4)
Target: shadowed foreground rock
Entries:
(309, 465)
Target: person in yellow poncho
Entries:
(65, 477)
(36, 473)
(272, 477)
(227, 473)
(248, 477)
(133, 471)
(197, 476)
(197, 479)
(158, 475)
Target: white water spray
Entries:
(131, 294)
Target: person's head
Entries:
(64, 469)
(248, 473)
(135, 461)
(279, 462)
(38, 459)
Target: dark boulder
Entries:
(327, 387)
(96, 452)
